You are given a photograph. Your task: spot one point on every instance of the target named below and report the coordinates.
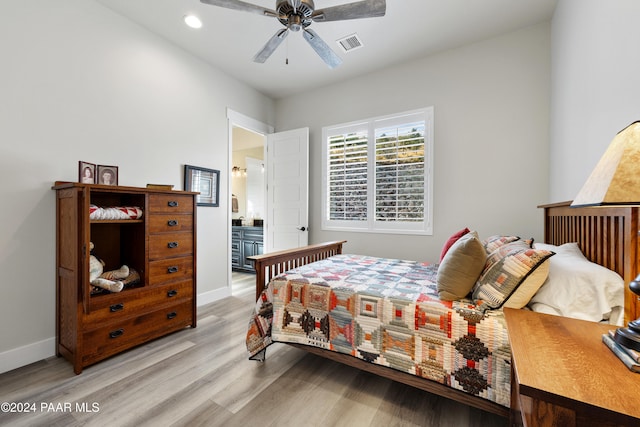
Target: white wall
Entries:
(595, 75)
(491, 106)
(78, 82)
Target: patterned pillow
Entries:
(529, 286)
(506, 269)
(494, 242)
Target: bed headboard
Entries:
(606, 235)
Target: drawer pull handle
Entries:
(172, 245)
(116, 307)
(172, 223)
(172, 293)
(171, 315)
(173, 269)
(172, 203)
(117, 333)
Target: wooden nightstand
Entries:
(564, 375)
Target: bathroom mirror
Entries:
(255, 188)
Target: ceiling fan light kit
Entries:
(297, 15)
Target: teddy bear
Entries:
(109, 280)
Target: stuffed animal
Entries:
(109, 280)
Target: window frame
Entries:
(371, 225)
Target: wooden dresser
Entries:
(161, 247)
(564, 375)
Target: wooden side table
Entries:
(564, 375)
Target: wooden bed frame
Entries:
(607, 236)
(270, 265)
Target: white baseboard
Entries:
(212, 296)
(30, 353)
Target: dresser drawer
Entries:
(170, 203)
(118, 336)
(167, 223)
(131, 303)
(170, 270)
(166, 245)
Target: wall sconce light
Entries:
(236, 172)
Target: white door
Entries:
(287, 190)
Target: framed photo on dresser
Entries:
(107, 175)
(86, 172)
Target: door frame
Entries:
(237, 119)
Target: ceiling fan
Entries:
(297, 15)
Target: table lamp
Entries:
(615, 181)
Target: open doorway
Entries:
(247, 204)
(247, 139)
(247, 176)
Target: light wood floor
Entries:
(202, 377)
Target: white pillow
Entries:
(577, 287)
(539, 307)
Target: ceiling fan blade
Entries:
(242, 6)
(357, 10)
(271, 46)
(322, 49)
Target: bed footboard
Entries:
(270, 265)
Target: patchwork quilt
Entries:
(387, 312)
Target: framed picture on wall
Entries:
(86, 172)
(107, 175)
(206, 182)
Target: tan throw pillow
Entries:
(461, 267)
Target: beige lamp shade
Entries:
(616, 178)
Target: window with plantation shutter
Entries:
(377, 174)
(348, 176)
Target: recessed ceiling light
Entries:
(192, 21)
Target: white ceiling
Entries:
(410, 29)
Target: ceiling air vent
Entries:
(350, 43)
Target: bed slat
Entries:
(271, 264)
